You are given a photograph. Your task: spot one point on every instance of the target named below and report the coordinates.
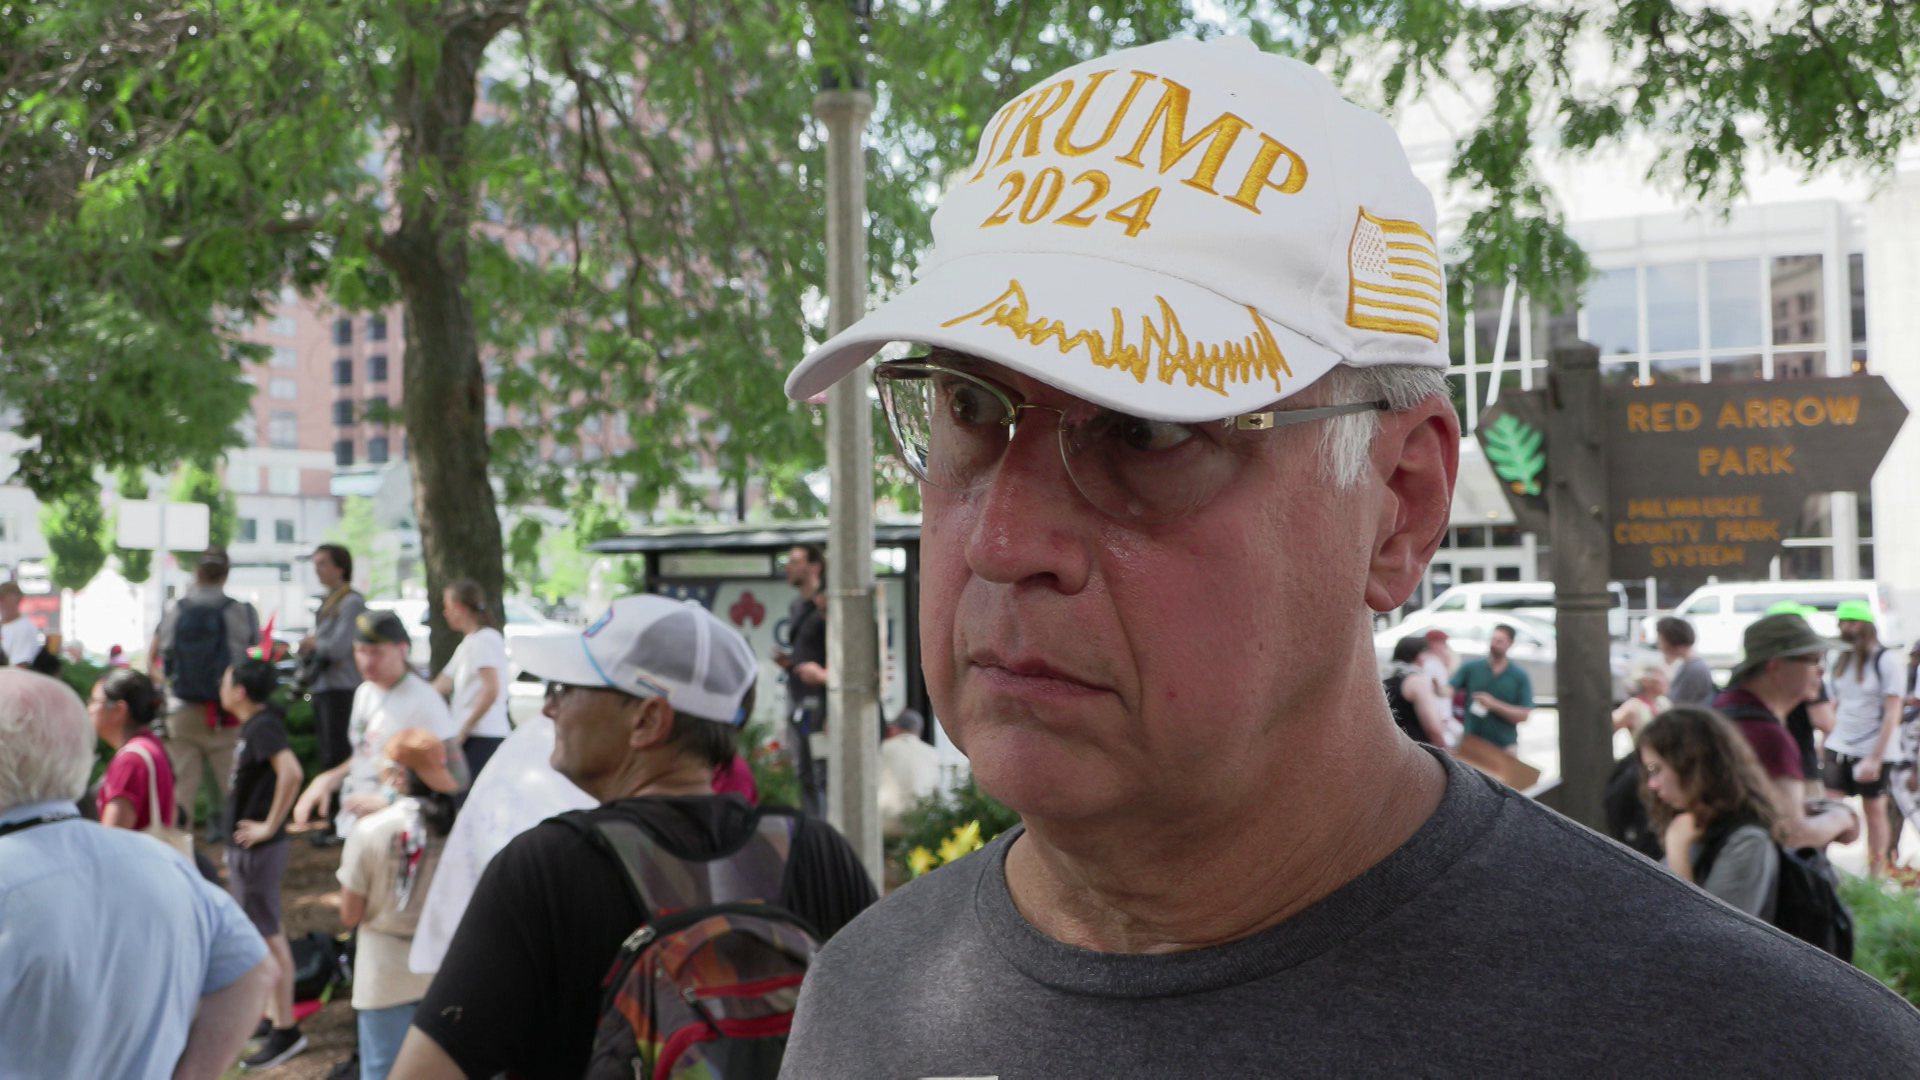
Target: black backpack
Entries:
(1626, 814)
(1806, 901)
(705, 989)
(199, 654)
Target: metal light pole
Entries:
(853, 674)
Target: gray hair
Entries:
(46, 742)
(1346, 441)
(911, 722)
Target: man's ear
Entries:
(652, 720)
(1417, 456)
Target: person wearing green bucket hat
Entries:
(1781, 671)
(1867, 684)
(1808, 715)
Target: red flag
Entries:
(266, 638)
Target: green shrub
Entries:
(1886, 932)
(941, 820)
(772, 772)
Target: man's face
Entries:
(1798, 676)
(1088, 667)
(326, 570)
(382, 665)
(1498, 644)
(592, 731)
(9, 607)
(799, 567)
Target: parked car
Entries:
(1721, 613)
(1534, 646)
(1533, 599)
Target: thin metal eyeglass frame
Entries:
(902, 370)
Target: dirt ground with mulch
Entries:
(310, 900)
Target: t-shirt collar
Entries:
(38, 809)
(1468, 809)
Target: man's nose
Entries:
(1030, 522)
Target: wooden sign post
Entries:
(1677, 481)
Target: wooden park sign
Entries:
(1703, 478)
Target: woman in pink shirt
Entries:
(123, 705)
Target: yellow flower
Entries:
(920, 860)
(965, 839)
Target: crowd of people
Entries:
(641, 720)
(1148, 569)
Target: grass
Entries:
(1886, 932)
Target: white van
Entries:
(1721, 613)
(1530, 598)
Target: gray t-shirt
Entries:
(1692, 683)
(1860, 701)
(1746, 873)
(1500, 940)
(243, 626)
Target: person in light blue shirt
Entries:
(117, 960)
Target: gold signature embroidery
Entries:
(1164, 349)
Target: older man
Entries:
(1182, 425)
(116, 958)
(645, 703)
(1780, 672)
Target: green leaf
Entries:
(1514, 447)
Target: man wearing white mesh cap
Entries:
(1179, 418)
(645, 703)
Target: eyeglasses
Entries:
(951, 427)
(558, 692)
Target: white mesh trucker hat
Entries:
(650, 646)
(1182, 231)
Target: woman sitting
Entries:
(1709, 802)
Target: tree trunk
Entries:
(446, 392)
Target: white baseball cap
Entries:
(650, 646)
(1182, 231)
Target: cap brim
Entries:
(560, 658)
(1120, 336)
(439, 778)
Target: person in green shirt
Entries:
(1499, 694)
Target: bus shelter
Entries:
(734, 571)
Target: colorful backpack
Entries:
(705, 989)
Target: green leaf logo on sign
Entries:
(1514, 448)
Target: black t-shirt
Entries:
(807, 629)
(1405, 714)
(1800, 726)
(520, 989)
(250, 794)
